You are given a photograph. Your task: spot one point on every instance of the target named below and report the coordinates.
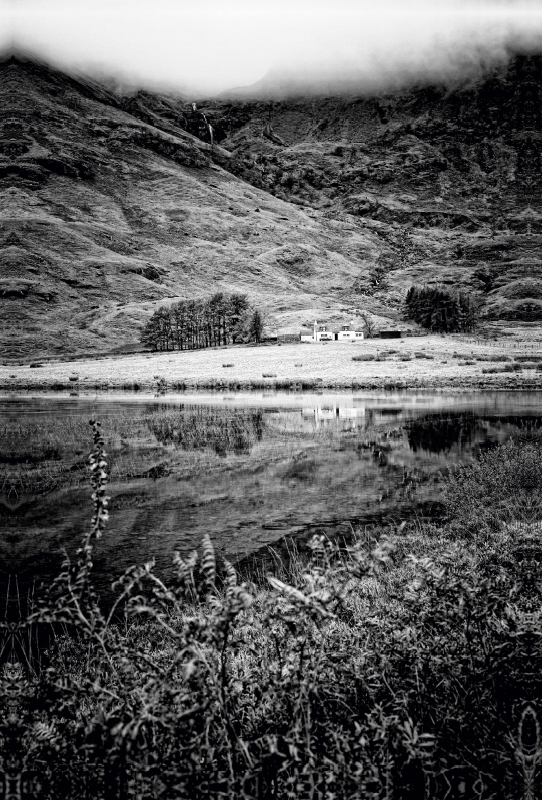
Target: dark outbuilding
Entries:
(390, 334)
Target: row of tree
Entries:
(204, 322)
(442, 310)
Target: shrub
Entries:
(505, 368)
(496, 487)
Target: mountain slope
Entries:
(452, 174)
(103, 215)
(316, 208)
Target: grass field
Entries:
(432, 361)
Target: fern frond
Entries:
(208, 561)
(231, 575)
(290, 591)
(185, 566)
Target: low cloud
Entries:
(280, 47)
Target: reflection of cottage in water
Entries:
(326, 414)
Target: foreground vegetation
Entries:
(404, 666)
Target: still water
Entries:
(249, 469)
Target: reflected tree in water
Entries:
(436, 433)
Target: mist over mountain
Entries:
(315, 206)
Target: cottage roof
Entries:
(356, 327)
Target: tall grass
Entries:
(37, 457)
(223, 431)
(407, 666)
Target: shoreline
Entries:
(293, 386)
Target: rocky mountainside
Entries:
(316, 208)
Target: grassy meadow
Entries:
(456, 361)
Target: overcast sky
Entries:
(213, 45)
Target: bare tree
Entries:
(369, 326)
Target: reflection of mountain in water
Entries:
(438, 433)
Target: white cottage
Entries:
(349, 333)
(321, 333)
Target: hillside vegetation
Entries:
(111, 204)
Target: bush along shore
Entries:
(501, 379)
(407, 665)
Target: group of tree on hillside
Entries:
(441, 310)
(223, 319)
(203, 322)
